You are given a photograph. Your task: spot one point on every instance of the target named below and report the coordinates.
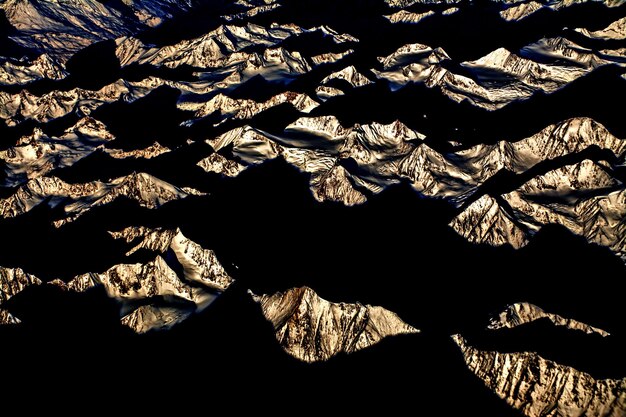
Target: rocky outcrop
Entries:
(229, 108)
(330, 57)
(38, 154)
(401, 4)
(254, 11)
(541, 388)
(316, 146)
(485, 221)
(16, 108)
(220, 48)
(148, 318)
(221, 165)
(76, 199)
(23, 71)
(522, 313)
(389, 153)
(139, 281)
(349, 74)
(554, 5)
(6, 318)
(520, 11)
(199, 265)
(526, 73)
(313, 329)
(62, 28)
(582, 198)
(404, 16)
(13, 281)
(166, 297)
(585, 197)
(614, 31)
(152, 151)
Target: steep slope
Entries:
(582, 197)
(24, 71)
(37, 154)
(76, 199)
(539, 387)
(14, 280)
(151, 295)
(499, 78)
(521, 313)
(63, 28)
(387, 154)
(199, 265)
(616, 31)
(313, 329)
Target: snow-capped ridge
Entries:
(313, 329)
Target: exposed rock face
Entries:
(76, 199)
(219, 48)
(485, 221)
(554, 5)
(372, 146)
(8, 318)
(616, 31)
(349, 74)
(203, 279)
(520, 11)
(217, 84)
(584, 197)
(541, 388)
(167, 297)
(330, 57)
(64, 27)
(581, 197)
(404, 16)
(220, 165)
(152, 151)
(313, 329)
(526, 74)
(23, 71)
(252, 12)
(401, 4)
(199, 264)
(140, 281)
(37, 154)
(521, 313)
(388, 153)
(16, 108)
(13, 281)
(215, 49)
(149, 317)
(229, 108)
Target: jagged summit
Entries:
(557, 197)
(539, 387)
(525, 72)
(313, 329)
(614, 31)
(427, 133)
(61, 28)
(199, 264)
(386, 154)
(522, 313)
(76, 199)
(202, 280)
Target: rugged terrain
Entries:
(309, 203)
